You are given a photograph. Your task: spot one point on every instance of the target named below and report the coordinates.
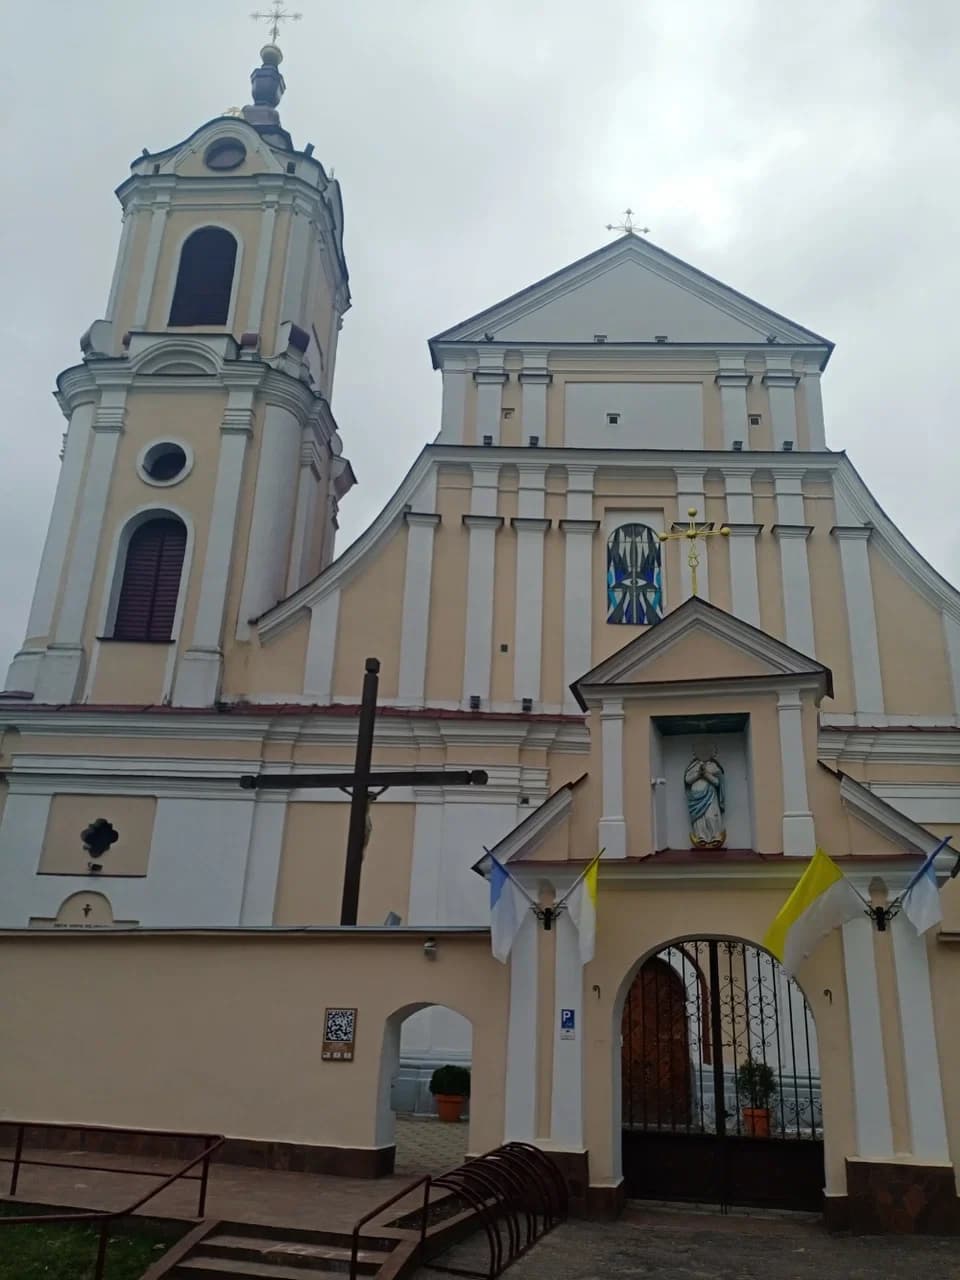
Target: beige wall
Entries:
(913, 660)
(369, 624)
(63, 851)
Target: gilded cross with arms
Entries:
(275, 17)
(693, 533)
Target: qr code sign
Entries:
(340, 1026)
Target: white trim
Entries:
(478, 637)
(154, 444)
(612, 832)
(151, 260)
(926, 803)
(871, 1098)
(295, 266)
(896, 743)
(798, 834)
(884, 818)
(783, 404)
(263, 859)
(453, 403)
(321, 649)
(813, 395)
(426, 862)
(566, 1103)
(61, 521)
(120, 264)
(733, 381)
(520, 1088)
(526, 838)
(529, 526)
(742, 543)
(415, 618)
(861, 619)
(258, 288)
(489, 402)
(795, 576)
(928, 1126)
(533, 405)
(304, 509)
(171, 288)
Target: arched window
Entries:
(204, 278)
(634, 587)
(151, 581)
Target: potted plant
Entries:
(756, 1089)
(451, 1088)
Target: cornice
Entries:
(792, 530)
(884, 818)
(579, 526)
(429, 519)
(530, 523)
(474, 521)
(852, 533)
(889, 746)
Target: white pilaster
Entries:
(579, 529)
(871, 1097)
(566, 1106)
(322, 648)
(520, 1094)
(781, 383)
(303, 514)
(151, 258)
(742, 543)
(791, 531)
(120, 266)
(928, 1126)
(530, 527)
(295, 269)
(612, 831)
(271, 525)
(733, 381)
(263, 859)
(813, 396)
(534, 382)
(489, 397)
(951, 636)
(198, 675)
(426, 867)
(453, 404)
(861, 617)
(483, 523)
(798, 833)
(415, 619)
(264, 251)
(690, 494)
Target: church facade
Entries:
(706, 710)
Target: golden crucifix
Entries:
(693, 533)
(279, 14)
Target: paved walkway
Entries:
(668, 1245)
(428, 1146)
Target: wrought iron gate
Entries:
(720, 1080)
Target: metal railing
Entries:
(516, 1187)
(106, 1217)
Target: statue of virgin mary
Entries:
(706, 802)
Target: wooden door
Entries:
(655, 1055)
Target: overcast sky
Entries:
(806, 155)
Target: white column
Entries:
(120, 266)
(951, 636)
(151, 258)
(798, 834)
(792, 531)
(781, 382)
(861, 618)
(520, 1093)
(453, 404)
(483, 523)
(322, 648)
(489, 396)
(928, 1126)
(733, 381)
(690, 494)
(871, 1097)
(258, 289)
(270, 527)
(578, 529)
(612, 829)
(415, 620)
(530, 527)
(566, 1106)
(744, 590)
(813, 395)
(198, 675)
(534, 411)
(263, 859)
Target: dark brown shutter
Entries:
(151, 581)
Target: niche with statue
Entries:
(702, 797)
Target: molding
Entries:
(723, 379)
(426, 519)
(539, 377)
(744, 530)
(792, 530)
(473, 521)
(529, 524)
(884, 818)
(526, 838)
(488, 377)
(851, 532)
(892, 746)
(579, 526)
(778, 379)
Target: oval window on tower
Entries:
(165, 462)
(225, 153)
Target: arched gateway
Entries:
(720, 1079)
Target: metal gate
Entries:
(720, 1080)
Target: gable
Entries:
(699, 655)
(630, 291)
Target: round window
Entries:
(225, 153)
(164, 463)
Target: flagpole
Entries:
(882, 915)
(511, 877)
(579, 880)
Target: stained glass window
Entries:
(634, 587)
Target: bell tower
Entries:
(202, 467)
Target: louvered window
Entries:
(151, 581)
(204, 278)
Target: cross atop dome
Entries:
(277, 15)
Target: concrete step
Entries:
(313, 1254)
(201, 1268)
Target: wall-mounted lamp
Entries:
(430, 948)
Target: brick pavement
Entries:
(427, 1146)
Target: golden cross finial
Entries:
(693, 533)
(279, 14)
(627, 226)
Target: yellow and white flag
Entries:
(582, 904)
(822, 901)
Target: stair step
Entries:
(297, 1253)
(304, 1235)
(236, 1269)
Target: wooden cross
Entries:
(363, 785)
(693, 533)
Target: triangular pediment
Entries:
(699, 642)
(630, 291)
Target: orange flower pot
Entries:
(449, 1107)
(756, 1122)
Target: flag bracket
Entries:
(547, 915)
(881, 916)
